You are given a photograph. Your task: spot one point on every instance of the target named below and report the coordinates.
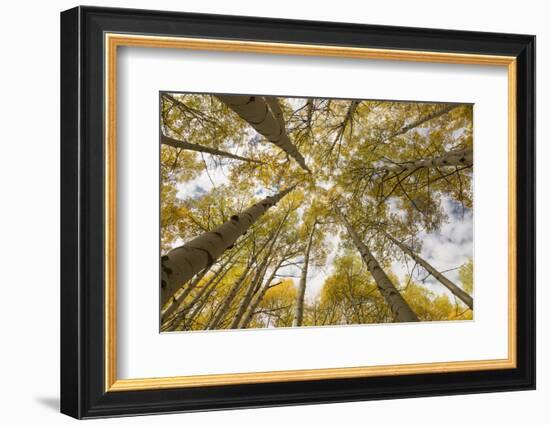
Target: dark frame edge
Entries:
(526, 208)
(70, 380)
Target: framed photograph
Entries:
(261, 212)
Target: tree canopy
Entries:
(280, 212)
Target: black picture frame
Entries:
(83, 392)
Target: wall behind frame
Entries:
(29, 218)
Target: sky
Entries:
(202, 183)
(448, 248)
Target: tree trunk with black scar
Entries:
(175, 302)
(266, 117)
(423, 120)
(450, 159)
(182, 263)
(299, 308)
(185, 307)
(458, 292)
(401, 311)
(179, 296)
(165, 140)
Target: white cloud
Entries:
(448, 248)
(202, 183)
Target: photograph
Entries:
(284, 211)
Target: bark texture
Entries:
(182, 263)
(184, 306)
(401, 311)
(456, 290)
(175, 303)
(165, 140)
(453, 158)
(299, 307)
(266, 117)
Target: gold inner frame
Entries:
(113, 41)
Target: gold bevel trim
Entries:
(113, 41)
(303, 49)
(306, 375)
(512, 212)
(110, 214)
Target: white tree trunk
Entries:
(175, 302)
(266, 117)
(457, 291)
(299, 307)
(401, 311)
(182, 263)
(453, 158)
(180, 316)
